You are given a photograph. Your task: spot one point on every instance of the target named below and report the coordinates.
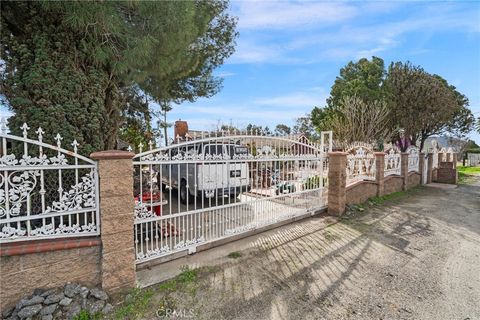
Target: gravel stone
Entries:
(107, 309)
(38, 291)
(7, 312)
(49, 309)
(47, 293)
(99, 294)
(47, 317)
(25, 302)
(54, 298)
(71, 289)
(65, 301)
(84, 292)
(30, 311)
(73, 310)
(95, 306)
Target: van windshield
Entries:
(214, 149)
(237, 150)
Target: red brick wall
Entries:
(47, 264)
(392, 184)
(447, 175)
(413, 179)
(361, 191)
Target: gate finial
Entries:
(59, 139)
(75, 145)
(25, 128)
(40, 133)
(3, 125)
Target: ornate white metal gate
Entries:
(45, 191)
(202, 190)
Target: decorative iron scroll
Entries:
(413, 159)
(221, 184)
(45, 190)
(360, 164)
(392, 162)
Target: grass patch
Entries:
(466, 175)
(187, 276)
(469, 170)
(85, 315)
(234, 255)
(166, 303)
(135, 305)
(391, 197)
(355, 211)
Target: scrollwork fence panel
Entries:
(360, 164)
(45, 191)
(217, 185)
(413, 159)
(392, 162)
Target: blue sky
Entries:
(289, 53)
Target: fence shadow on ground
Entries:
(298, 271)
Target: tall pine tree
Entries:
(70, 67)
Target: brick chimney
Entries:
(180, 129)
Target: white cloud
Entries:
(251, 52)
(295, 99)
(225, 74)
(281, 14)
(262, 110)
(305, 39)
(5, 113)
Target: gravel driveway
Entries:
(413, 257)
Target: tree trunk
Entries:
(112, 119)
(422, 141)
(165, 127)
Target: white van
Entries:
(210, 178)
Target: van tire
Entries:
(184, 194)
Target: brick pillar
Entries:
(429, 168)
(404, 169)
(337, 183)
(116, 217)
(380, 172)
(421, 164)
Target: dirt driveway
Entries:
(416, 256)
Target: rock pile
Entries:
(60, 303)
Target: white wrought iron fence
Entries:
(45, 190)
(392, 162)
(425, 169)
(435, 158)
(413, 159)
(473, 159)
(450, 153)
(442, 155)
(216, 186)
(360, 164)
